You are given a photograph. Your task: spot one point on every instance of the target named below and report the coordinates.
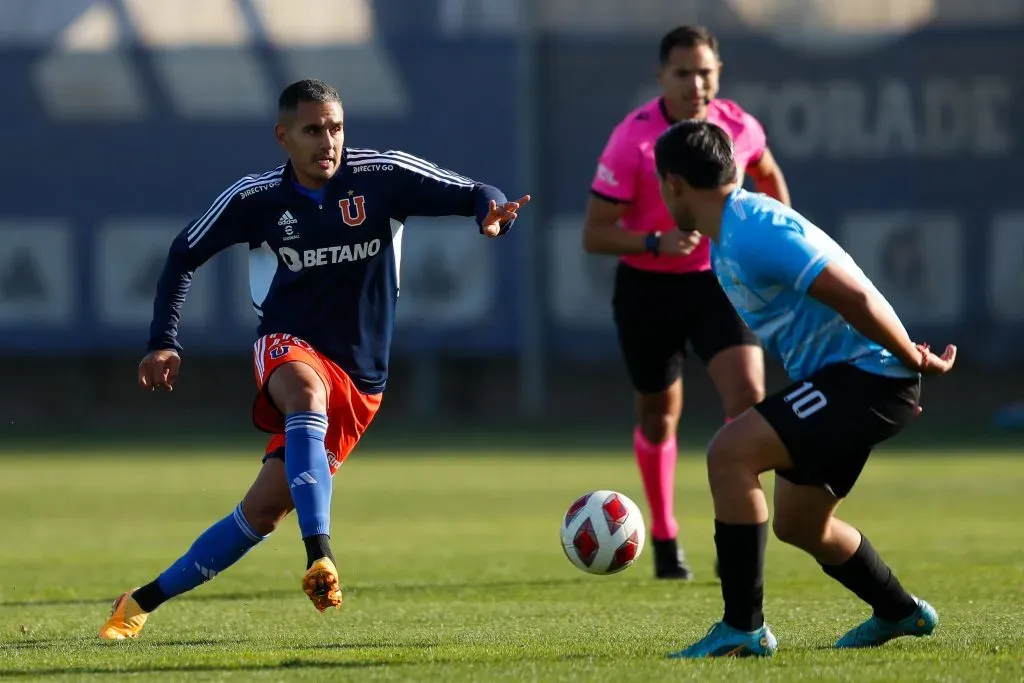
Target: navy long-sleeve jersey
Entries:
(326, 268)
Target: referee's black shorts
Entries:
(657, 314)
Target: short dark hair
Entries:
(686, 36)
(697, 151)
(306, 90)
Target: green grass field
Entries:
(452, 571)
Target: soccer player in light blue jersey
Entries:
(856, 382)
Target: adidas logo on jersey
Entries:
(287, 219)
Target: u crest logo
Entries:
(353, 211)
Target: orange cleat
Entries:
(322, 585)
(126, 619)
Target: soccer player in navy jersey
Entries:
(856, 382)
(324, 234)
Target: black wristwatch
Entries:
(652, 243)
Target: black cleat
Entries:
(669, 561)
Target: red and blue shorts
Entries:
(349, 411)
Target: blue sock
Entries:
(309, 475)
(216, 549)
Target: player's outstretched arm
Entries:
(501, 216)
(429, 190)
(874, 318)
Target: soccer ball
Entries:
(603, 532)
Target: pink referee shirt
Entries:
(625, 173)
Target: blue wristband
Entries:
(652, 243)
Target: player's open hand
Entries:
(936, 365)
(159, 370)
(500, 216)
(678, 242)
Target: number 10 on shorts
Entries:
(805, 400)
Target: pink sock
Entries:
(658, 470)
(728, 420)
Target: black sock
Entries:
(871, 580)
(317, 546)
(741, 549)
(150, 596)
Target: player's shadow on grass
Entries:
(240, 597)
(32, 644)
(465, 585)
(56, 603)
(353, 590)
(45, 643)
(198, 668)
(197, 642)
(379, 645)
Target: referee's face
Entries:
(313, 137)
(689, 80)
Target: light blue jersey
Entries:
(766, 258)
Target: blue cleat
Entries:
(725, 641)
(875, 631)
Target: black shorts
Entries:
(832, 420)
(656, 314)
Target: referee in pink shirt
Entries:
(665, 293)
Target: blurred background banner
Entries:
(899, 125)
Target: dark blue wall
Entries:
(908, 153)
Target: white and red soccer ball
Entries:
(603, 532)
